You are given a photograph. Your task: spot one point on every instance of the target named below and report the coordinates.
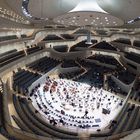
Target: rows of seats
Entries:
(81, 31)
(113, 87)
(51, 37)
(3, 132)
(36, 124)
(71, 75)
(20, 123)
(23, 79)
(7, 52)
(10, 57)
(18, 102)
(136, 43)
(69, 63)
(130, 120)
(9, 37)
(105, 59)
(1, 105)
(61, 48)
(68, 36)
(82, 44)
(135, 96)
(123, 40)
(133, 57)
(132, 66)
(114, 124)
(101, 32)
(44, 64)
(117, 125)
(93, 77)
(90, 65)
(104, 45)
(33, 49)
(125, 76)
(95, 74)
(1, 109)
(43, 101)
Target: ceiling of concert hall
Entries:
(50, 8)
(89, 13)
(123, 13)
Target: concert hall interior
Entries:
(69, 69)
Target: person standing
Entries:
(86, 112)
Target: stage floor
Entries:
(70, 100)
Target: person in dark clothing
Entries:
(86, 112)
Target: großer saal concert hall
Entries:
(69, 69)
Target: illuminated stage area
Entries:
(75, 106)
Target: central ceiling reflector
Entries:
(89, 13)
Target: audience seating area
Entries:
(33, 49)
(52, 37)
(127, 119)
(68, 36)
(81, 31)
(136, 43)
(82, 44)
(135, 96)
(29, 119)
(7, 52)
(71, 75)
(9, 37)
(104, 45)
(123, 40)
(113, 87)
(23, 79)
(78, 96)
(10, 56)
(61, 48)
(105, 59)
(1, 108)
(44, 64)
(93, 77)
(69, 63)
(90, 65)
(121, 124)
(4, 135)
(34, 123)
(133, 57)
(95, 74)
(130, 119)
(125, 76)
(101, 32)
(12, 37)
